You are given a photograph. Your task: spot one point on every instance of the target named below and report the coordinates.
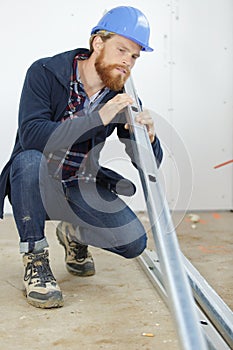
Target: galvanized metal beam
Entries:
(215, 317)
(175, 281)
(210, 302)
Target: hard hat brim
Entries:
(143, 47)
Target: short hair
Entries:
(104, 34)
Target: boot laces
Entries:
(38, 270)
(79, 250)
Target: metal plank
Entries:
(150, 264)
(214, 307)
(181, 301)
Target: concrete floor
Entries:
(112, 309)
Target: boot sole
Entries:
(53, 302)
(90, 272)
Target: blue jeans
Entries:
(100, 217)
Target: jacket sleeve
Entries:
(43, 99)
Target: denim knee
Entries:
(28, 156)
(26, 166)
(131, 250)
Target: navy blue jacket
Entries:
(42, 105)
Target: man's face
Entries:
(115, 61)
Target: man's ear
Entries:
(97, 44)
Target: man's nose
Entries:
(128, 61)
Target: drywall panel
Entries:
(186, 82)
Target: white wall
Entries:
(187, 81)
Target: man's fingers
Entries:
(114, 106)
(145, 118)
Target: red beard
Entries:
(112, 81)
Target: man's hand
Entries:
(119, 102)
(145, 118)
(113, 106)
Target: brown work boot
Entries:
(78, 259)
(41, 287)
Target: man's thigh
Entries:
(103, 219)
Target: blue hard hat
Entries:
(128, 22)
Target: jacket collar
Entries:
(61, 65)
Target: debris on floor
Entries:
(194, 218)
(148, 334)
